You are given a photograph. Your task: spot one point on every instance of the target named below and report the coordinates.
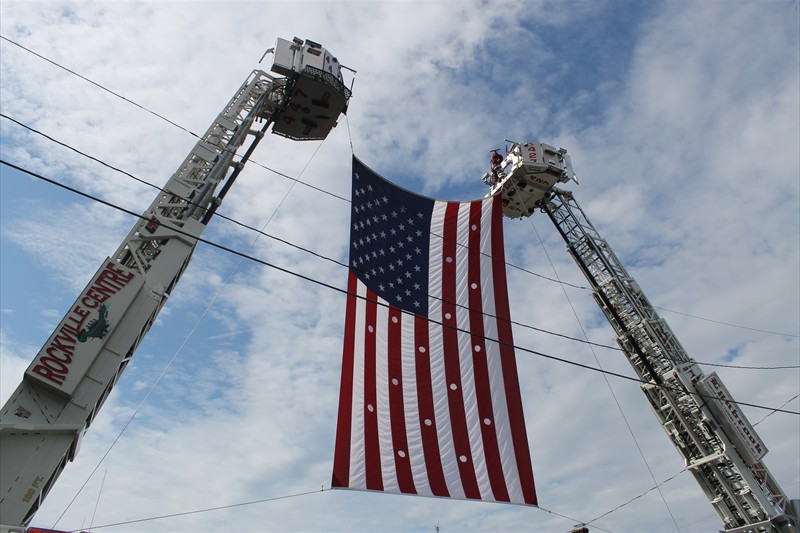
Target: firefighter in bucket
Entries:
(497, 160)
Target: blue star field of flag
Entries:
(389, 240)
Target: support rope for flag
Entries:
(618, 507)
(285, 497)
(349, 134)
(208, 509)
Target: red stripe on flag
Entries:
(397, 415)
(372, 449)
(506, 341)
(427, 418)
(341, 455)
(452, 366)
(483, 390)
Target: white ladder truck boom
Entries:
(719, 446)
(63, 389)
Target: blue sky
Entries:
(682, 122)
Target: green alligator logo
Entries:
(97, 327)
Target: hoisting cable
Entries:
(196, 325)
(605, 377)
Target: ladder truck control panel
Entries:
(42, 423)
(718, 444)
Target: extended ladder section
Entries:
(65, 386)
(718, 444)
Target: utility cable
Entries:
(745, 367)
(195, 135)
(335, 261)
(781, 407)
(673, 476)
(288, 243)
(526, 505)
(294, 180)
(161, 189)
(345, 199)
(345, 292)
(339, 263)
(261, 232)
(297, 180)
(729, 324)
(162, 117)
(608, 383)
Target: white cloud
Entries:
(684, 135)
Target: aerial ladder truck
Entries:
(718, 444)
(42, 423)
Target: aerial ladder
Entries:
(63, 389)
(718, 444)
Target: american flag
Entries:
(429, 401)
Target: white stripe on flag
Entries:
(424, 406)
(358, 471)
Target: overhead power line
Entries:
(745, 367)
(339, 263)
(344, 291)
(319, 189)
(40, 56)
(728, 323)
(782, 406)
(261, 232)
